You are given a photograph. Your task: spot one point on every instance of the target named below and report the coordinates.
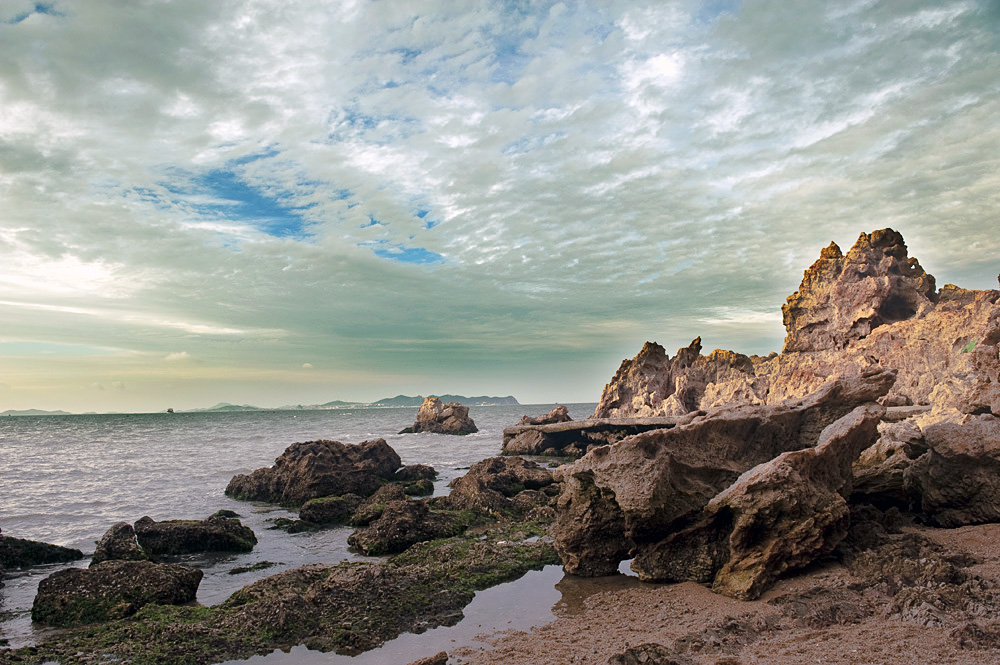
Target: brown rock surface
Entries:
(442, 418)
(316, 469)
(661, 479)
(492, 483)
(214, 534)
(403, 523)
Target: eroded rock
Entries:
(442, 418)
(330, 509)
(21, 553)
(403, 523)
(316, 469)
(560, 414)
(492, 483)
(111, 590)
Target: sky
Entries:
(290, 203)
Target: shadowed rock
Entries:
(111, 590)
(442, 418)
(575, 438)
(20, 553)
(330, 509)
(319, 468)
(403, 523)
(492, 483)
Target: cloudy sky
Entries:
(281, 203)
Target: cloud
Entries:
(307, 366)
(178, 356)
(448, 192)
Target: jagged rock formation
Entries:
(215, 534)
(632, 494)
(844, 298)
(119, 543)
(442, 418)
(560, 414)
(111, 590)
(575, 438)
(874, 307)
(319, 468)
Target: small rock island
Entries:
(442, 418)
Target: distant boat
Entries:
(170, 410)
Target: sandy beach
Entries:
(817, 616)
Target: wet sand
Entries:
(594, 624)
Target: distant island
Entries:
(386, 402)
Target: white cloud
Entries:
(178, 356)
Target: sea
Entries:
(67, 479)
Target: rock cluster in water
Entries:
(887, 392)
(442, 418)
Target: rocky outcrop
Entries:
(638, 491)
(111, 590)
(319, 468)
(215, 534)
(403, 523)
(778, 516)
(560, 414)
(442, 418)
(874, 307)
(20, 553)
(492, 484)
(575, 438)
(844, 298)
(880, 472)
(119, 543)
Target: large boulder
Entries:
(442, 418)
(780, 515)
(491, 484)
(20, 553)
(315, 469)
(330, 509)
(641, 489)
(111, 590)
(215, 534)
(119, 543)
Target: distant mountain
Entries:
(225, 407)
(405, 400)
(34, 412)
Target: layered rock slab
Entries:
(314, 469)
(639, 490)
(442, 418)
(575, 438)
(214, 534)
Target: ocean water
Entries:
(67, 479)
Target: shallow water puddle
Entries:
(518, 605)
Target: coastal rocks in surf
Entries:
(111, 590)
(560, 414)
(780, 515)
(214, 534)
(442, 418)
(316, 469)
(493, 485)
(330, 509)
(119, 543)
(20, 553)
(636, 492)
(402, 523)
